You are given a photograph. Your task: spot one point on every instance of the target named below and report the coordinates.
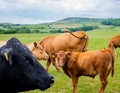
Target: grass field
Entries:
(98, 39)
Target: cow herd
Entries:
(21, 71)
(76, 41)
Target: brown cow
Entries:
(115, 41)
(38, 51)
(76, 41)
(91, 63)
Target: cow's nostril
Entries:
(52, 80)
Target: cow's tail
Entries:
(75, 35)
(112, 68)
(83, 37)
(112, 72)
(112, 51)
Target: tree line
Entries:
(10, 30)
(113, 22)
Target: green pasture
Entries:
(98, 39)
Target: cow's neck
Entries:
(71, 64)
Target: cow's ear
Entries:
(68, 54)
(8, 55)
(35, 44)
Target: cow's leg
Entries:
(104, 82)
(75, 82)
(55, 63)
(48, 64)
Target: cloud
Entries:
(79, 5)
(40, 10)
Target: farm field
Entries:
(98, 39)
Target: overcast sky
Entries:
(39, 11)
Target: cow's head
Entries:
(19, 69)
(62, 57)
(39, 52)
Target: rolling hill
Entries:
(70, 22)
(79, 20)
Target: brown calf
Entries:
(75, 64)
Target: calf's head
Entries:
(62, 57)
(19, 69)
(39, 52)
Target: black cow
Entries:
(19, 69)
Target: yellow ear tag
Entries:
(6, 56)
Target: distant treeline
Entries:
(8, 29)
(84, 28)
(13, 31)
(113, 22)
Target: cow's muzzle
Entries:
(51, 81)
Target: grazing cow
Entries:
(20, 70)
(76, 41)
(38, 51)
(91, 63)
(115, 41)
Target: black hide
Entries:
(20, 70)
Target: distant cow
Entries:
(115, 40)
(20, 70)
(76, 41)
(91, 63)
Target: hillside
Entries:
(74, 23)
(80, 20)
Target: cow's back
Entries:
(47, 44)
(30, 46)
(2, 43)
(68, 42)
(95, 61)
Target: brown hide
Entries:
(115, 41)
(38, 51)
(46, 43)
(68, 42)
(90, 64)
(65, 42)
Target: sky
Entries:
(41, 11)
